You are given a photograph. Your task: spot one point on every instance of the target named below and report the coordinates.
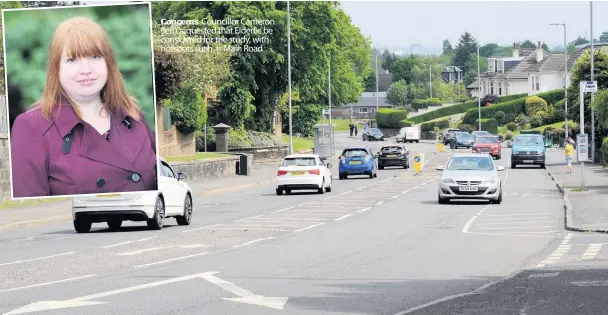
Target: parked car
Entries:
(173, 199)
(303, 172)
(470, 176)
(357, 161)
(409, 134)
(463, 139)
(489, 145)
(449, 134)
(528, 149)
(394, 155)
(373, 134)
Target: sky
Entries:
(401, 23)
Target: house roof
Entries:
(581, 50)
(368, 99)
(519, 71)
(550, 64)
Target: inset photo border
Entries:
(81, 100)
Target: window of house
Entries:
(500, 66)
(532, 80)
(363, 110)
(499, 88)
(373, 110)
(538, 83)
(492, 88)
(491, 65)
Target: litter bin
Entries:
(244, 164)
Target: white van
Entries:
(409, 134)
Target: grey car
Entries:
(470, 176)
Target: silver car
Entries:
(470, 176)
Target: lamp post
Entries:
(289, 77)
(565, 75)
(377, 77)
(592, 94)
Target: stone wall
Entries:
(207, 169)
(264, 153)
(171, 142)
(5, 175)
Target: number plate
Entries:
(468, 189)
(108, 195)
(528, 161)
(354, 162)
(298, 173)
(392, 155)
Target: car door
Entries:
(172, 190)
(373, 158)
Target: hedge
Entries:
(425, 103)
(604, 152)
(390, 118)
(406, 123)
(458, 109)
(430, 126)
(531, 132)
(489, 124)
(511, 108)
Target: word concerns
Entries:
(208, 35)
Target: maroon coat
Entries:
(124, 163)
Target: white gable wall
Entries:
(547, 82)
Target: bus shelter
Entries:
(324, 140)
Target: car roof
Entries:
(468, 155)
(392, 145)
(356, 147)
(301, 155)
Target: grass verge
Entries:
(300, 143)
(29, 202)
(197, 156)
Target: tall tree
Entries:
(388, 60)
(447, 47)
(527, 44)
(467, 46)
(580, 41)
(604, 37)
(488, 50)
(397, 93)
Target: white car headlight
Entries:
(447, 180)
(490, 181)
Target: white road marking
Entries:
(39, 258)
(46, 283)
(405, 192)
(512, 223)
(384, 180)
(265, 225)
(591, 283)
(379, 203)
(193, 246)
(395, 197)
(309, 227)
(555, 256)
(468, 224)
(347, 192)
(517, 214)
(201, 228)
(254, 229)
(257, 216)
(515, 219)
(329, 197)
(255, 241)
(591, 251)
(172, 259)
(283, 210)
(244, 295)
(504, 182)
(520, 227)
(363, 210)
(344, 217)
(567, 239)
(415, 187)
(141, 251)
(543, 275)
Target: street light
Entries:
(289, 77)
(479, 83)
(566, 75)
(592, 94)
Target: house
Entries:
(548, 74)
(508, 75)
(452, 74)
(365, 108)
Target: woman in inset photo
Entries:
(86, 134)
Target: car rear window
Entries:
(391, 149)
(354, 153)
(308, 161)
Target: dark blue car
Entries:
(357, 161)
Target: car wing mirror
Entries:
(500, 168)
(181, 176)
(439, 167)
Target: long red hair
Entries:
(81, 37)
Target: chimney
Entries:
(539, 53)
(515, 50)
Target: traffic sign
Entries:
(589, 86)
(418, 162)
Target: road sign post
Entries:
(582, 139)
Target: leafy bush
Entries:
(490, 98)
(200, 140)
(536, 121)
(466, 127)
(304, 118)
(604, 152)
(390, 118)
(512, 126)
(458, 109)
(521, 120)
(500, 117)
(511, 108)
(489, 124)
(535, 104)
(430, 126)
(188, 110)
(509, 135)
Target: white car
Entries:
(303, 172)
(173, 199)
(470, 176)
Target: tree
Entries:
(580, 41)
(402, 70)
(370, 82)
(527, 44)
(397, 93)
(388, 60)
(447, 47)
(5, 5)
(467, 46)
(604, 37)
(488, 50)
(44, 4)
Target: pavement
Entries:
(371, 246)
(586, 209)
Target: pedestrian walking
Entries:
(569, 152)
(356, 130)
(351, 127)
(452, 143)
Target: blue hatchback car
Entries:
(357, 161)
